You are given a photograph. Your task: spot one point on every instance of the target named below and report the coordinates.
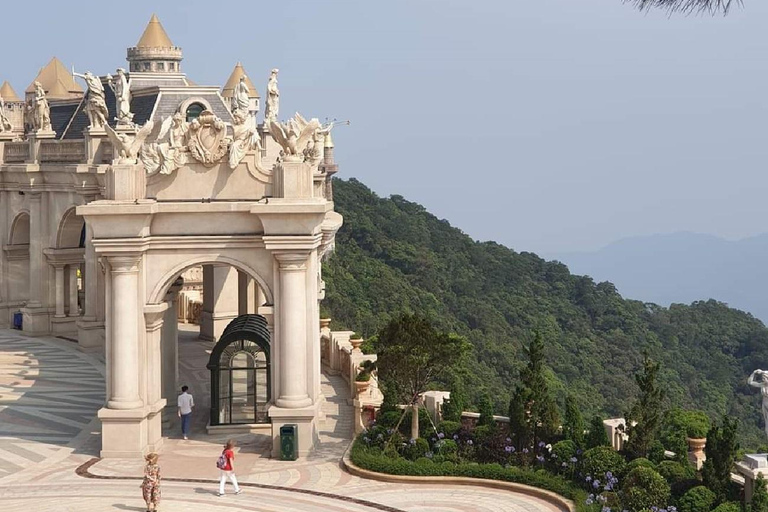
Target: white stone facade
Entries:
(97, 226)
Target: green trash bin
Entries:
(289, 448)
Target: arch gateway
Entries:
(101, 214)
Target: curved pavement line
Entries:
(83, 471)
(550, 497)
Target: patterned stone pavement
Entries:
(49, 394)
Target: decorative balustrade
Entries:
(339, 356)
(16, 152)
(62, 151)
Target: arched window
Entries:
(193, 111)
(240, 373)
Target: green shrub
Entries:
(698, 499)
(449, 428)
(640, 462)
(644, 488)
(728, 506)
(415, 449)
(389, 419)
(422, 461)
(373, 461)
(597, 461)
(674, 472)
(697, 424)
(564, 450)
(483, 433)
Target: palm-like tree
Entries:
(687, 6)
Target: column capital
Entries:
(153, 316)
(57, 265)
(292, 261)
(127, 262)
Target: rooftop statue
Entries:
(763, 385)
(123, 98)
(5, 124)
(273, 99)
(245, 139)
(241, 99)
(293, 136)
(41, 111)
(95, 106)
(128, 145)
(166, 156)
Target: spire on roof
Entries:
(57, 82)
(7, 92)
(229, 89)
(154, 35)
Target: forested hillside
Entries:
(394, 256)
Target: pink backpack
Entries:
(221, 462)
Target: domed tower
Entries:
(155, 53)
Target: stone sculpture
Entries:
(5, 124)
(95, 104)
(246, 138)
(294, 135)
(241, 99)
(166, 156)
(763, 385)
(122, 98)
(273, 99)
(126, 145)
(41, 110)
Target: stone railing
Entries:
(342, 356)
(62, 151)
(15, 152)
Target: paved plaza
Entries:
(49, 444)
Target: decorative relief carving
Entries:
(208, 138)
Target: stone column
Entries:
(74, 309)
(59, 290)
(154, 319)
(292, 314)
(170, 344)
(242, 293)
(220, 300)
(123, 364)
(90, 327)
(35, 250)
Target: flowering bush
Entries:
(415, 448)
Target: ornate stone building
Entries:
(111, 191)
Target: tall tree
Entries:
(759, 502)
(721, 451)
(412, 354)
(712, 6)
(573, 424)
(533, 412)
(454, 406)
(486, 412)
(644, 418)
(597, 436)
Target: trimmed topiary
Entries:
(598, 461)
(698, 499)
(644, 488)
(728, 506)
(640, 462)
(564, 450)
(675, 472)
(449, 428)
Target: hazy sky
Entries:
(547, 125)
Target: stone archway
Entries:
(16, 286)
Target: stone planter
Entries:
(356, 344)
(362, 386)
(696, 451)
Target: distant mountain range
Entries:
(681, 268)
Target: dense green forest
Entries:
(393, 256)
